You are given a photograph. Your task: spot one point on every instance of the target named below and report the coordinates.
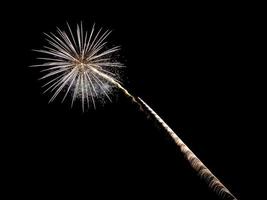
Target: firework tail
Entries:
(203, 172)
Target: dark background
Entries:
(183, 60)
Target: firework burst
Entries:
(79, 64)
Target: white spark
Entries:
(79, 64)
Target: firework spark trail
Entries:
(79, 64)
(204, 173)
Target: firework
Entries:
(80, 64)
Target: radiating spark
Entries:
(79, 64)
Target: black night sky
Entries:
(181, 59)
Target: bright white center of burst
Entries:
(82, 66)
(79, 65)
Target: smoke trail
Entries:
(204, 173)
(213, 183)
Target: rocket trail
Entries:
(204, 173)
(213, 183)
